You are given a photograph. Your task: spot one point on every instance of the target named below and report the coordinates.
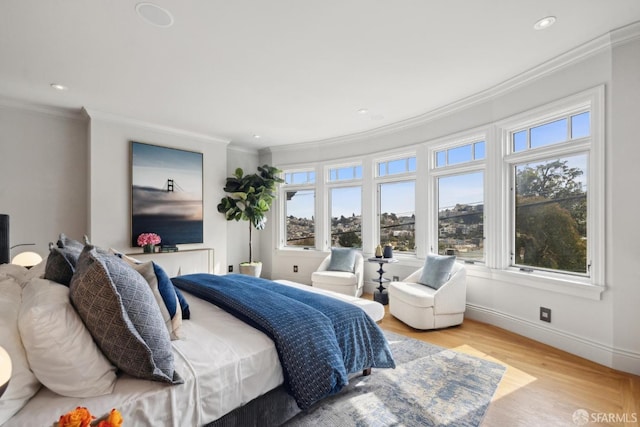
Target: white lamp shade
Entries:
(27, 259)
(5, 370)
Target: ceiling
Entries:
(287, 70)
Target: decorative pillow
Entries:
(68, 243)
(437, 270)
(164, 294)
(121, 313)
(17, 272)
(184, 304)
(342, 259)
(24, 384)
(61, 265)
(60, 350)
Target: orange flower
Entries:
(79, 417)
(113, 420)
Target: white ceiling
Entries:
(288, 70)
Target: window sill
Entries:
(573, 286)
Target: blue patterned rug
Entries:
(431, 386)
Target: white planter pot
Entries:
(253, 269)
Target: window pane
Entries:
(551, 214)
(460, 154)
(345, 173)
(382, 168)
(550, 133)
(300, 218)
(478, 149)
(397, 215)
(441, 158)
(346, 217)
(520, 141)
(397, 166)
(412, 164)
(299, 177)
(580, 125)
(461, 216)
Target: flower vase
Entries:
(149, 249)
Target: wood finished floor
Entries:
(542, 386)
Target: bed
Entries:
(231, 373)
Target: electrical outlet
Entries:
(396, 278)
(295, 268)
(545, 314)
(231, 269)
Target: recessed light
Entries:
(257, 136)
(544, 23)
(154, 15)
(58, 86)
(363, 111)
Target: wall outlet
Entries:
(396, 278)
(295, 268)
(545, 314)
(231, 269)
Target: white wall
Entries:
(110, 186)
(43, 170)
(604, 330)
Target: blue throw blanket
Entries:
(320, 340)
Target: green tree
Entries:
(350, 239)
(551, 217)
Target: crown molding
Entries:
(593, 47)
(67, 113)
(626, 34)
(168, 130)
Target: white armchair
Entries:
(422, 307)
(344, 282)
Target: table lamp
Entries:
(27, 259)
(5, 370)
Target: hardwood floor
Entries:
(543, 386)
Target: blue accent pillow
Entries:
(184, 304)
(342, 259)
(166, 289)
(437, 270)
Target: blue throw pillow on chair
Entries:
(342, 259)
(437, 270)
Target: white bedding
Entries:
(224, 362)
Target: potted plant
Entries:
(250, 198)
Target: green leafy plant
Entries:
(250, 197)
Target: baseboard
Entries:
(619, 359)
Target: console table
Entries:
(381, 296)
(184, 261)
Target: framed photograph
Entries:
(166, 194)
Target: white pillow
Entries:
(173, 324)
(23, 384)
(60, 349)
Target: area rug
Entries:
(431, 386)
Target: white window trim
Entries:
(434, 172)
(281, 211)
(594, 145)
(342, 183)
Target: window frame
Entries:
(435, 172)
(390, 179)
(341, 183)
(284, 187)
(593, 146)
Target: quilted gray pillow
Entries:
(122, 315)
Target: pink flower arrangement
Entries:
(148, 239)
